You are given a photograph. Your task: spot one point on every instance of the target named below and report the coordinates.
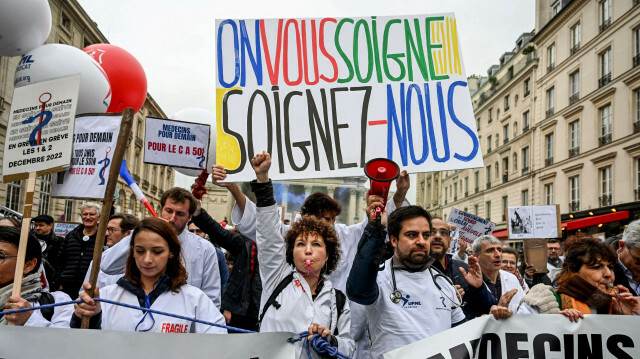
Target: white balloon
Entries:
(24, 25)
(199, 115)
(56, 60)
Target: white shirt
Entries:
(198, 257)
(422, 312)
(61, 315)
(189, 302)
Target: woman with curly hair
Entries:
(296, 292)
(154, 278)
(585, 285)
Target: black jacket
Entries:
(51, 258)
(242, 293)
(75, 257)
(621, 278)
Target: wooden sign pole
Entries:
(24, 235)
(114, 173)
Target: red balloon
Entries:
(126, 76)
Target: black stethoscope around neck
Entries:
(396, 295)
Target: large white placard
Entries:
(40, 127)
(469, 227)
(94, 141)
(531, 336)
(325, 95)
(106, 344)
(176, 143)
(533, 222)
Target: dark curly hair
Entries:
(175, 270)
(309, 225)
(320, 202)
(585, 250)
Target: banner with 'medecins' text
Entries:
(325, 95)
(531, 336)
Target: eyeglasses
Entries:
(4, 256)
(504, 261)
(111, 230)
(554, 249)
(636, 260)
(443, 232)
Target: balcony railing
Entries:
(455, 198)
(145, 184)
(525, 129)
(603, 140)
(505, 141)
(488, 185)
(605, 200)
(551, 67)
(138, 141)
(136, 177)
(574, 206)
(154, 188)
(548, 161)
(446, 200)
(506, 108)
(477, 189)
(636, 60)
(575, 48)
(505, 178)
(574, 151)
(526, 93)
(466, 193)
(489, 150)
(636, 127)
(574, 98)
(605, 25)
(525, 170)
(504, 217)
(604, 80)
(550, 112)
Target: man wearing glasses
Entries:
(627, 269)
(554, 258)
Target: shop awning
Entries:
(581, 223)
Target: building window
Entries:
(488, 143)
(145, 171)
(455, 191)
(515, 162)
(636, 47)
(466, 186)
(497, 169)
(551, 57)
(605, 186)
(13, 195)
(526, 120)
(525, 160)
(487, 210)
(527, 87)
(575, 38)
(605, 14)
(65, 22)
(637, 171)
(132, 204)
(574, 138)
(574, 83)
(505, 133)
(121, 196)
(488, 176)
(525, 197)
(139, 128)
(548, 194)
(549, 145)
(605, 125)
(505, 204)
(475, 209)
(574, 193)
(490, 115)
(68, 210)
(605, 68)
(506, 103)
(153, 176)
(45, 194)
(551, 94)
(636, 122)
(476, 176)
(555, 8)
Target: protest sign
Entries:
(533, 222)
(40, 128)
(61, 229)
(107, 344)
(176, 143)
(326, 95)
(468, 226)
(531, 336)
(94, 139)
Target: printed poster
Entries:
(533, 222)
(176, 143)
(469, 227)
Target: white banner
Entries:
(325, 95)
(104, 344)
(469, 227)
(533, 222)
(550, 336)
(61, 229)
(40, 127)
(176, 143)
(94, 141)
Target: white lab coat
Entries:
(508, 282)
(298, 310)
(189, 302)
(61, 315)
(198, 257)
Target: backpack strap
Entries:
(276, 292)
(46, 298)
(340, 301)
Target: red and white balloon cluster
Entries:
(111, 78)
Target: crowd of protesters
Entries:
(367, 288)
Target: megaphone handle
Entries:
(378, 214)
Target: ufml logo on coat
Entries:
(408, 304)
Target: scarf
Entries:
(30, 291)
(521, 280)
(555, 262)
(577, 293)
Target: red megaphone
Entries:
(381, 173)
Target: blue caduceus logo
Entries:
(46, 117)
(106, 162)
(201, 164)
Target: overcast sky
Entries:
(174, 40)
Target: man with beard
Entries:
(554, 258)
(408, 296)
(50, 243)
(477, 298)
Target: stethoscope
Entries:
(396, 295)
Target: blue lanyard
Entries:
(147, 305)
